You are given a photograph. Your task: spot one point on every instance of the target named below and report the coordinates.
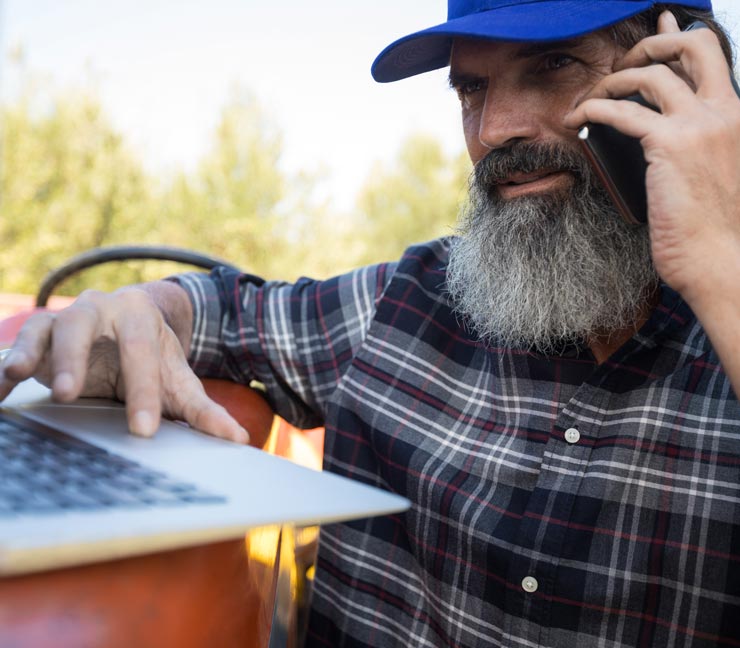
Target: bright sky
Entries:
(164, 68)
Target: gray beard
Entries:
(540, 272)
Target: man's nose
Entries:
(508, 118)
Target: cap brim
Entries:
(547, 20)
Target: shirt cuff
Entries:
(206, 355)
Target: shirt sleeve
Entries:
(296, 339)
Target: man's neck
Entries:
(604, 346)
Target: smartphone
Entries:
(619, 160)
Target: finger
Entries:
(698, 52)
(626, 116)
(186, 398)
(72, 335)
(667, 23)
(6, 384)
(208, 416)
(658, 85)
(138, 331)
(30, 347)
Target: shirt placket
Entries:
(532, 577)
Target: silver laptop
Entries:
(76, 487)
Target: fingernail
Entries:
(246, 436)
(142, 424)
(63, 383)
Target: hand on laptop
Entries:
(119, 345)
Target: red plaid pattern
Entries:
(556, 502)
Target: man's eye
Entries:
(467, 91)
(554, 62)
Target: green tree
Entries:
(416, 199)
(67, 184)
(231, 207)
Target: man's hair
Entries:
(629, 32)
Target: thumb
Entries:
(191, 404)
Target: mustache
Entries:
(528, 157)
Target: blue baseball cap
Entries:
(510, 20)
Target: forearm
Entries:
(295, 339)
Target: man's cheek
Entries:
(471, 129)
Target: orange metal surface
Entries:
(212, 595)
(217, 595)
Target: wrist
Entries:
(174, 304)
(716, 304)
(714, 282)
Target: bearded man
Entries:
(552, 389)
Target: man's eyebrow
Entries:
(456, 79)
(538, 49)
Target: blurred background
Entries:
(247, 129)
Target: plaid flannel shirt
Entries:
(556, 502)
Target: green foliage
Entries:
(69, 183)
(230, 207)
(416, 200)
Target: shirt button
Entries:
(530, 584)
(572, 435)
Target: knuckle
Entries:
(135, 303)
(138, 343)
(705, 36)
(90, 295)
(89, 302)
(132, 295)
(38, 320)
(34, 331)
(72, 313)
(662, 72)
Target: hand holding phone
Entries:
(619, 160)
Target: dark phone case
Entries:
(619, 161)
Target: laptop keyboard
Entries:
(45, 470)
